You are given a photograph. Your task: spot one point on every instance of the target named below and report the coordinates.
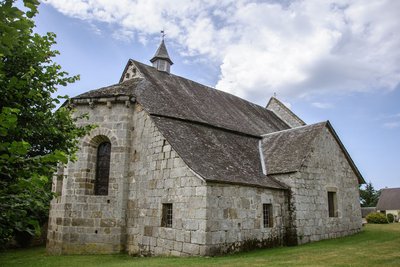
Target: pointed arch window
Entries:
(102, 169)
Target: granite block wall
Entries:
(235, 218)
(158, 176)
(325, 169)
(207, 219)
(81, 222)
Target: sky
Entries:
(326, 60)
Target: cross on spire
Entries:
(163, 34)
(161, 60)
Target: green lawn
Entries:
(376, 245)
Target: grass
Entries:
(376, 245)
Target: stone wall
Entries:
(325, 169)
(81, 222)
(284, 113)
(158, 175)
(235, 218)
(208, 219)
(146, 173)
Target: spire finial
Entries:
(275, 94)
(163, 34)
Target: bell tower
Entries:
(161, 60)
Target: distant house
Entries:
(389, 202)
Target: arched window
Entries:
(102, 168)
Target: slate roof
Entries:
(389, 199)
(169, 95)
(217, 134)
(285, 151)
(215, 154)
(128, 88)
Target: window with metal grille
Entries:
(102, 168)
(267, 216)
(166, 220)
(332, 204)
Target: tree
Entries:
(369, 196)
(34, 136)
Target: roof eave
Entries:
(162, 58)
(280, 187)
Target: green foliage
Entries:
(390, 218)
(376, 217)
(34, 136)
(369, 196)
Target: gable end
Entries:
(131, 71)
(346, 154)
(284, 113)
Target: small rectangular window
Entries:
(332, 204)
(166, 220)
(267, 216)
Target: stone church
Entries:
(177, 168)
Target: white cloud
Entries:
(322, 105)
(296, 48)
(124, 35)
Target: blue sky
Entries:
(327, 60)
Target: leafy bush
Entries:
(390, 218)
(34, 136)
(376, 217)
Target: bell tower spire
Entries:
(161, 60)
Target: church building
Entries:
(178, 168)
